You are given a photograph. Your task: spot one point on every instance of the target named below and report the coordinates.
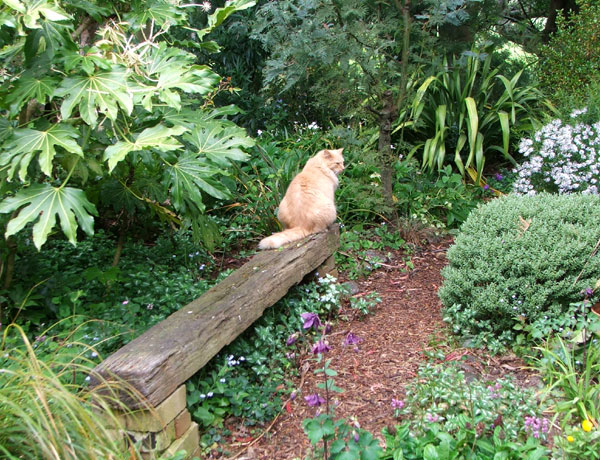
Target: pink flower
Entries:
(397, 403)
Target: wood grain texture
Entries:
(169, 353)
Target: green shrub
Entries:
(440, 200)
(520, 259)
(571, 61)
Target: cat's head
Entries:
(333, 159)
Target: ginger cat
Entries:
(308, 205)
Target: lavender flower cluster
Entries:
(563, 157)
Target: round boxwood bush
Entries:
(520, 259)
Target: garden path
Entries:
(395, 339)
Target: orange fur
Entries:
(308, 205)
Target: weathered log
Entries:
(169, 353)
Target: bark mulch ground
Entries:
(395, 339)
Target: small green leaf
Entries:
(42, 203)
(430, 453)
(161, 12)
(220, 14)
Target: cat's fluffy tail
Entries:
(276, 240)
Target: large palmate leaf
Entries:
(188, 178)
(162, 12)
(158, 137)
(222, 144)
(25, 143)
(220, 14)
(173, 70)
(30, 87)
(34, 12)
(189, 117)
(97, 12)
(42, 203)
(103, 92)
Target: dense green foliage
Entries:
(520, 260)
(571, 60)
(116, 120)
(250, 377)
(469, 111)
(74, 285)
(108, 116)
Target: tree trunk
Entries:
(386, 118)
(566, 7)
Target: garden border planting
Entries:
(157, 363)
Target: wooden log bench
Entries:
(157, 364)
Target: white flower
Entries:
(206, 6)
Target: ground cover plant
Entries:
(249, 379)
(73, 285)
(449, 415)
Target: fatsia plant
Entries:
(101, 106)
(468, 111)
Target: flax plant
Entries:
(45, 413)
(469, 110)
(572, 376)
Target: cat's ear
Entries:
(328, 154)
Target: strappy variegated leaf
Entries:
(42, 203)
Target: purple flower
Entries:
(397, 403)
(293, 395)
(311, 320)
(588, 292)
(536, 426)
(328, 327)
(355, 436)
(432, 418)
(498, 177)
(320, 347)
(486, 187)
(352, 339)
(291, 339)
(314, 400)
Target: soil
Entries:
(395, 339)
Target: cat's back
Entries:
(314, 177)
